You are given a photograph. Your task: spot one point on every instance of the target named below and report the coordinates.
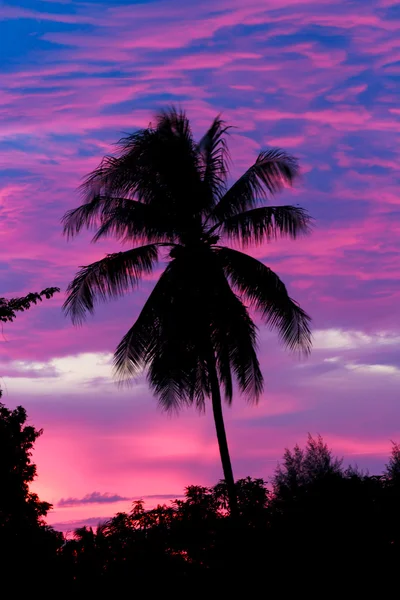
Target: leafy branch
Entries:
(9, 308)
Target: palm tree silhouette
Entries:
(167, 197)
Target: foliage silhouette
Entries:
(9, 308)
(300, 468)
(194, 334)
(320, 527)
(332, 518)
(25, 539)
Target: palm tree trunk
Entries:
(221, 436)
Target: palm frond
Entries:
(162, 340)
(123, 217)
(234, 339)
(139, 345)
(191, 311)
(87, 215)
(263, 289)
(203, 316)
(120, 175)
(272, 170)
(175, 122)
(215, 158)
(107, 278)
(132, 221)
(261, 224)
(158, 165)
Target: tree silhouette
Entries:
(321, 525)
(335, 528)
(25, 539)
(18, 506)
(392, 469)
(303, 467)
(194, 334)
(391, 489)
(9, 308)
(191, 540)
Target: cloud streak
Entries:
(92, 498)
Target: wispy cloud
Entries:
(93, 498)
(331, 339)
(105, 498)
(68, 373)
(374, 369)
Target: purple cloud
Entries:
(92, 498)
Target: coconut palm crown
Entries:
(166, 198)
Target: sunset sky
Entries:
(320, 79)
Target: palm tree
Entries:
(167, 198)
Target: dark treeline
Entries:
(315, 526)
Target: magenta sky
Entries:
(320, 79)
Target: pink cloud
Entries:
(17, 12)
(286, 141)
